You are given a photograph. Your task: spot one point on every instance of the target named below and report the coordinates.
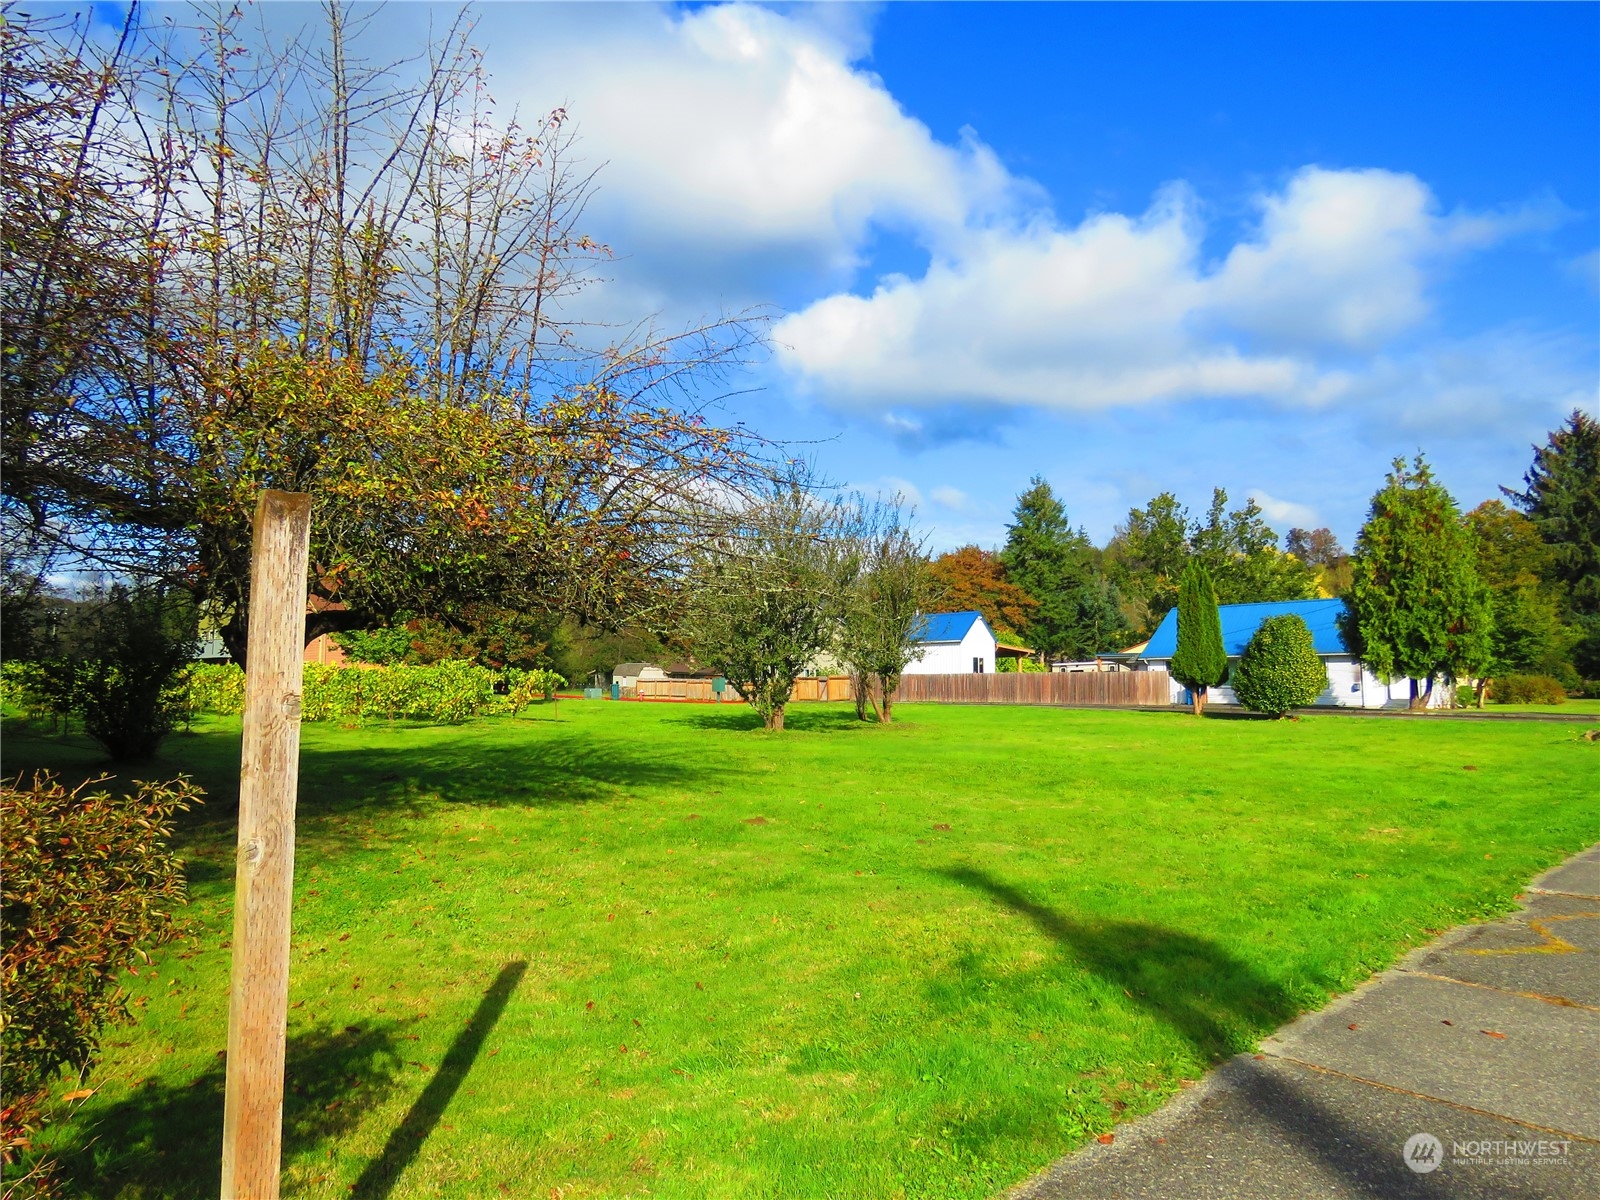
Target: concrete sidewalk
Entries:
(1486, 1043)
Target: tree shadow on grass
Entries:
(381, 1174)
(1217, 1003)
(802, 718)
(165, 1140)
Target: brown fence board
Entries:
(1103, 688)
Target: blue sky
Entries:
(1130, 248)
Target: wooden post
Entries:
(258, 1004)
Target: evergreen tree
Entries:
(1416, 605)
(1562, 499)
(1516, 566)
(1200, 662)
(1280, 668)
(1048, 559)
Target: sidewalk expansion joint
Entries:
(1389, 1087)
(1558, 892)
(1558, 1001)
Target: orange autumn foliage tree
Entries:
(975, 579)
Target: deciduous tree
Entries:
(766, 598)
(974, 580)
(318, 272)
(890, 594)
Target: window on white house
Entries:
(977, 666)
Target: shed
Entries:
(629, 674)
(956, 643)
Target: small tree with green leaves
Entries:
(1416, 605)
(764, 600)
(1280, 668)
(892, 589)
(1200, 662)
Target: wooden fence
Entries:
(1131, 688)
(833, 687)
(1127, 688)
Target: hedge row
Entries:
(447, 692)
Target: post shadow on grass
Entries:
(1216, 1002)
(404, 1144)
(1219, 1005)
(166, 1138)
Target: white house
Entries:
(1350, 683)
(956, 643)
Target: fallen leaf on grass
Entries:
(755, 820)
(1447, 1022)
(942, 828)
(1491, 1033)
(1105, 1139)
(80, 1094)
(1352, 1027)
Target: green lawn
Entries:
(649, 949)
(1571, 708)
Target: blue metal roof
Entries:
(1240, 622)
(947, 627)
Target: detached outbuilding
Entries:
(959, 643)
(1350, 683)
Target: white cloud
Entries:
(751, 155)
(745, 131)
(1121, 310)
(887, 487)
(1284, 513)
(949, 497)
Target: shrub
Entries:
(448, 692)
(216, 687)
(42, 689)
(124, 678)
(524, 687)
(1527, 689)
(1280, 669)
(90, 888)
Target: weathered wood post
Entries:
(258, 1004)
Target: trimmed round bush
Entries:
(1280, 669)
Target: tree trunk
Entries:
(1416, 697)
(775, 718)
(1199, 695)
(888, 685)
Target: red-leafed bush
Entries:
(90, 887)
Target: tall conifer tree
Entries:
(1201, 661)
(1416, 605)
